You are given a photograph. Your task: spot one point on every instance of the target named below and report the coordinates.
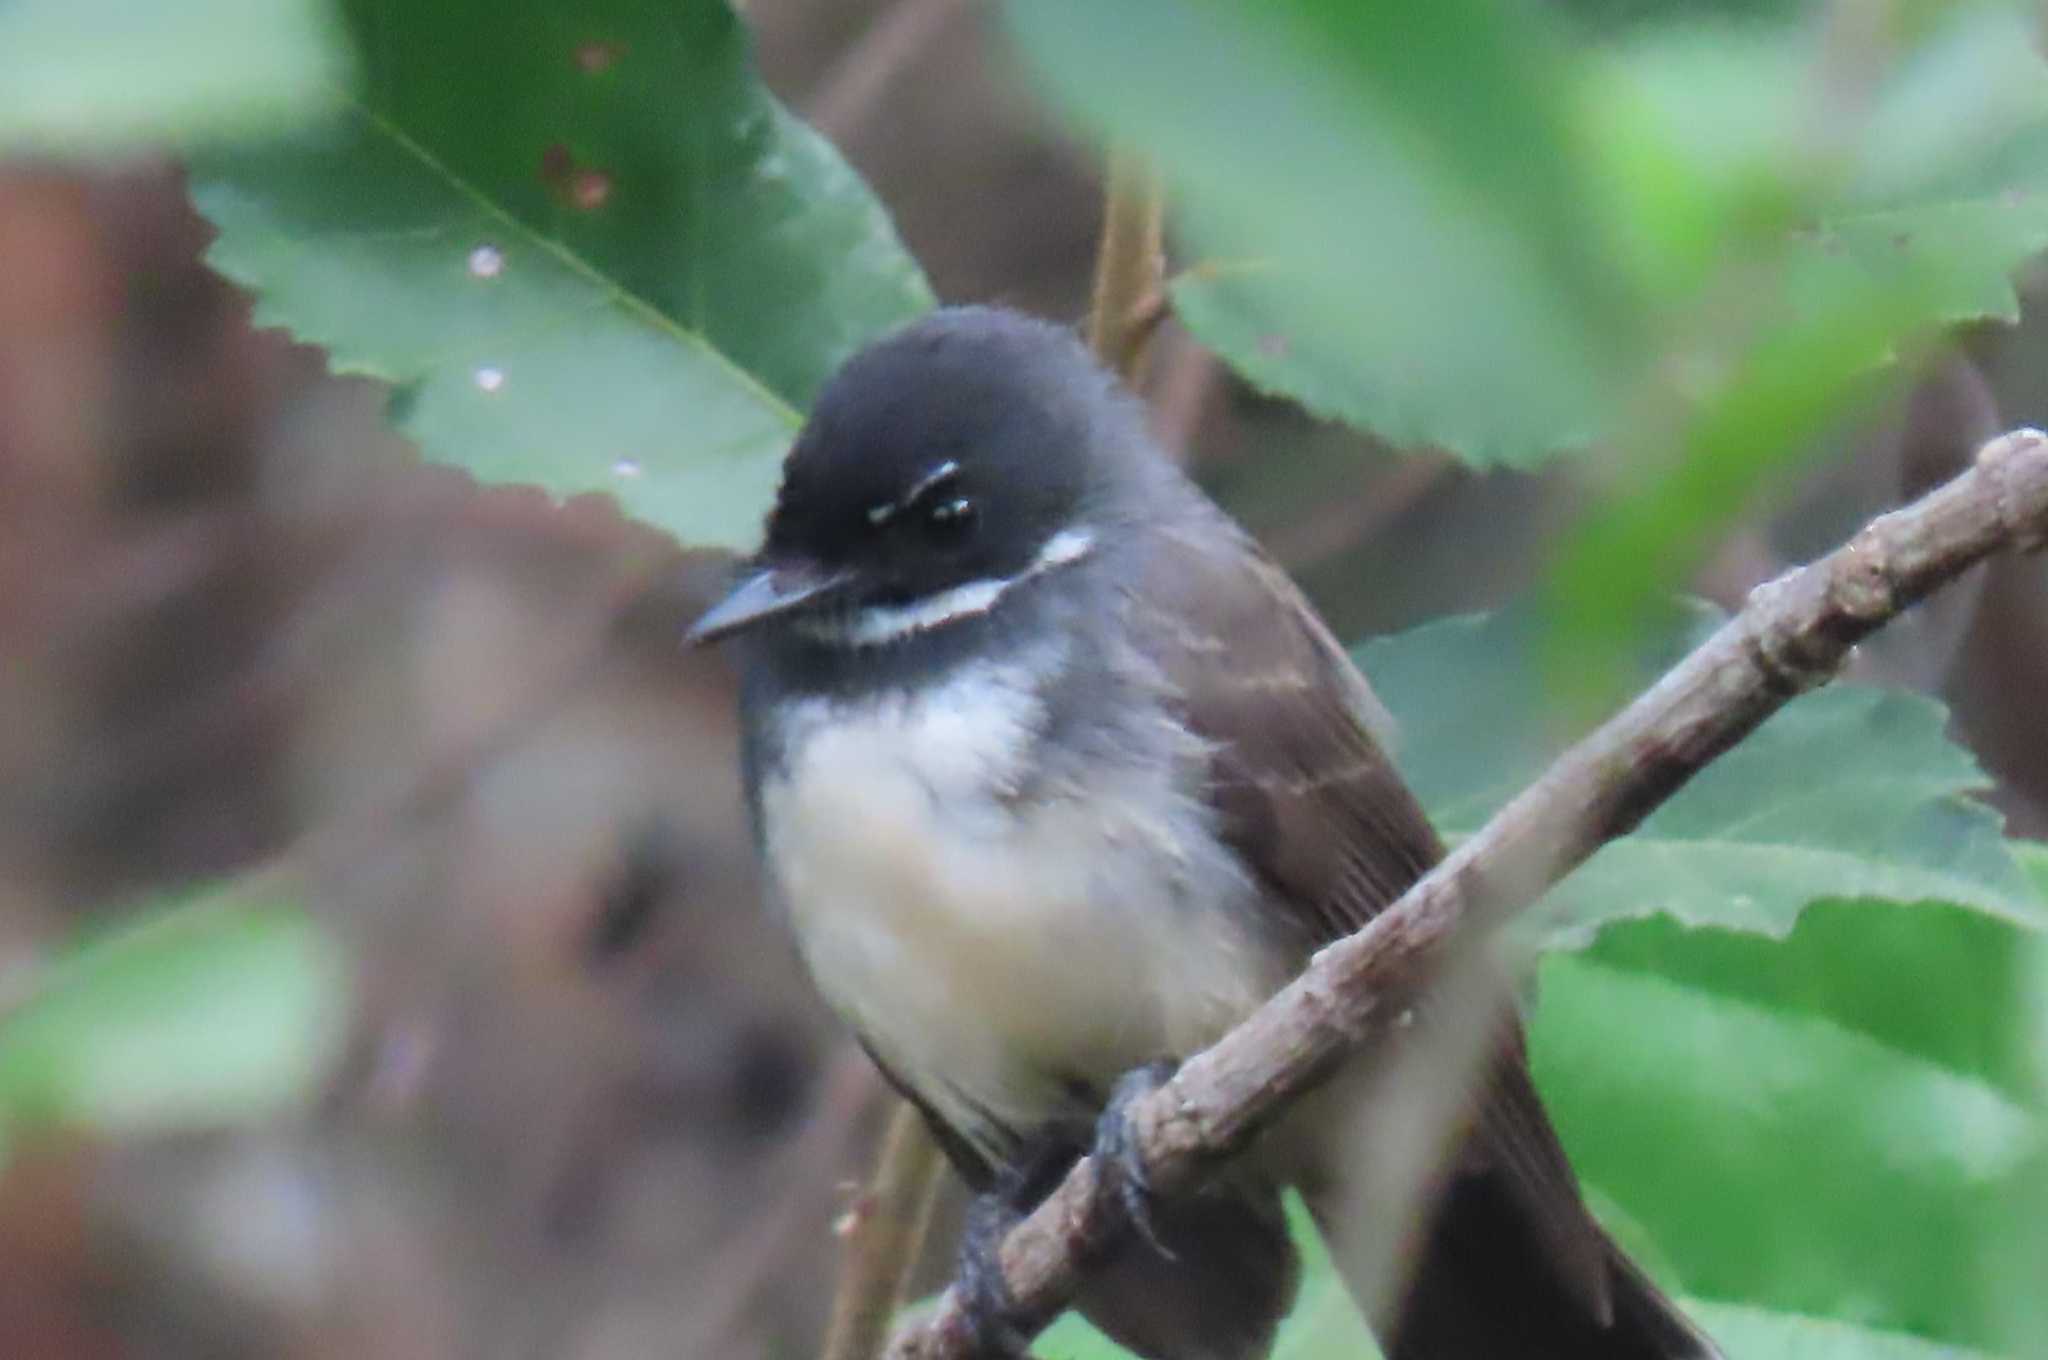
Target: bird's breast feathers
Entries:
(999, 937)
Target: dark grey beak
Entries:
(764, 594)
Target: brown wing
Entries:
(1312, 801)
(1307, 793)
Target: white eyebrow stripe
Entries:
(882, 623)
(882, 514)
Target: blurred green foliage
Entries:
(1452, 227)
(1385, 214)
(109, 77)
(1694, 246)
(219, 1006)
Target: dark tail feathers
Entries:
(1485, 1290)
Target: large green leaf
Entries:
(1846, 792)
(1761, 1334)
(585, 242)
(1326, 1325)
(2022, 1263)
(1381, 216)
(1783, 1135)
(98, 77)
(193, 1013)
(1390, 200)
(2033, 858)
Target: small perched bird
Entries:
(1056, 777)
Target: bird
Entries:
(1056, 776)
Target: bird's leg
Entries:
(986, 1301)
(985, 1295)
(1117, 1162)
(985, 1298)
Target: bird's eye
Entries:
(949, 521)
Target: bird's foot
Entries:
(1116, 1152)
(985, 1298)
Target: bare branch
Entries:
(849, 92)
(884, 1237)
(1791, 636)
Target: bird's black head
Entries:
(959, 457)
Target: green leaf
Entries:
(1759, 1334)
(106, 77)
(1346, 258)
(1833, 1124)
(1390, 202)
(2033, 860)
(589, 247)
(1846, 792)
(1916, 226)
(2021, 1262)
(1842, 963)
(202, 1012)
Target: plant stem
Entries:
(884, 1238)
(1129, 298)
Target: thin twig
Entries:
(850, 90)
(805, 1173)
(1129, 297)
(1792, 635)
(1180, 395)
(884, 1234)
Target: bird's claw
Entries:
(985, 1298)
(1116, 1151)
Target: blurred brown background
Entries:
(588, 1108)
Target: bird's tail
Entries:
(1486, 1286)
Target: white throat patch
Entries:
(882, 623)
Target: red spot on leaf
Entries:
(595, 58)
(589, 189)
(584, 187)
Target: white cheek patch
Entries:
(1068, 545)
(878, 624)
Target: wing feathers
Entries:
(1310, 799)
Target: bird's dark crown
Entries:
(950, 451)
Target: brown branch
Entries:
(1129, 296)
(883, 1239)
(1792, 635)
(1181, 395)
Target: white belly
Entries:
(995, 951)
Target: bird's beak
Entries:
(767, 592)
